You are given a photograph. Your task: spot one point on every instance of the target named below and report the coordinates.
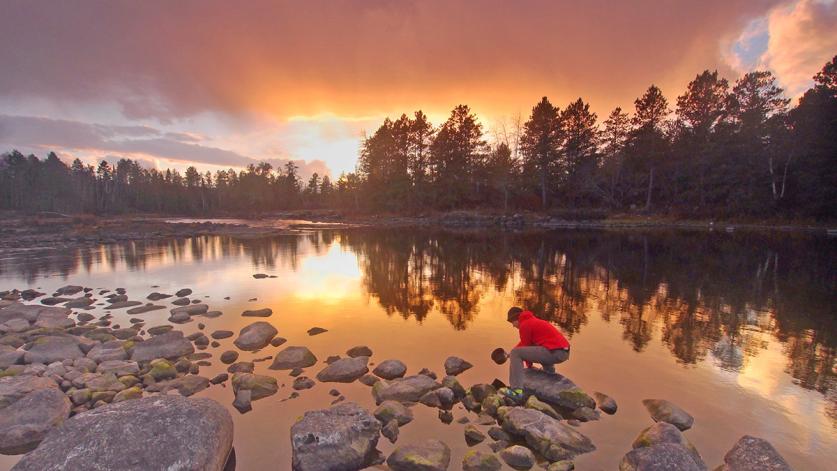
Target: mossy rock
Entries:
(575, 398)
(162, 369)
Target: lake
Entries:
(739, 329)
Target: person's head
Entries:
(513, 316)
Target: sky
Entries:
(219, 84)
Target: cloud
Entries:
(143, 143)
(169, 60)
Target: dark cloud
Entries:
(167, 59)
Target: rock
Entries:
(51, 348)
(390, 431)
(586, 414)
(445, 416)
(25, 422)
(160, 432)
(665, 411)
(155, 296)
(344, 370)
(477, 460)
(213, 314)
(293, 357)
(303, 382)
(180, 318)
(473, 435)
(369, 379)
(255, 336)
(429, 455)
(563, 465)
(359, 351)
(390, 369)
(191, 384)
(69, 290)
(241, 367)
(53, 300)
(605, 403)
(181, 302)
(277, 341)
(393, 410)
(134, 392)
(162, 369)
(10, 356)
(497, 434)
(454, 385)
(266, 312)
(409, 389)
(551, 438)
(183, 292)
(555, 390)
(123, 304)
(481, 391)
(663, 432)
(243, 400)
(192, 309)
(534, 403)
(160, 329)
(229, 357)
(518, 457)
(428, 373)
(456, 365)
(143, 309)
(663, 456)
(221, 334)
(496, 447)
(118, 367)
(753, 454)
(316, 331)
(343, 437)
(260, 386)
(168, 345)
(13, 388)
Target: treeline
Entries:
(721, 150)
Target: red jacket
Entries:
(534, 331)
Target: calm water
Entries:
(738, 329)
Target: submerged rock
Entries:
(143, 309)
(606, 403)
(255, 336)
(316, 331)
(429, 455)
(293, 357)
(551, 438)
(229, 356)
(266, 312)
(343, 437)
(344, 370)
(155, 296)
(665, 411)
(390, 369)
(359, 351)
(753, 454)
(160, 432)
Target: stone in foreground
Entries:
(160, 432)
(429, 455)
(409, 389)
(752, 454)
(344, 370)
(663, 432)
(168, 345)
(665, 456)
(518, 457)
(551, 438)
(555, 390)
(343, 437)
(665, 411)
(24, 423)
(255, 336)
(476, 460)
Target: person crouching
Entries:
(540, 342)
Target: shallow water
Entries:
(738, 329)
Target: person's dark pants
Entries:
(535, 354)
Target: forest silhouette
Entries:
(721, 150)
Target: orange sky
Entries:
(220, 83)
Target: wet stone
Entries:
(429, 455)
(293, 357)
(344, 436)
(518, 457)
(455, 365)
(316, 331)
(229, 356)
(665, 411)
(303, 382)
(255, 336)
(752, 454)
(477, 460)
(390, 369)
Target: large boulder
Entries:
(50, 348)
(255, 336)
(343, 437)
(663, 432)
(664, 456)
(13, 388)
(159, 432)
(24, 423)
(390, 369)
(753, 454)
(551, 438)
(409, 389)
(344, 370)
(293, 357)
(665, 411)
(429, 455)
(555, 390)
(10, 356)
(167, 345)
(110, 350)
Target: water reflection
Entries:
(717, 297)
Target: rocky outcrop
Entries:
(343, 437)
(161, 432)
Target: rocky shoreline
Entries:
(77, 390)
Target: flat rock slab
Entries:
(429, 455)
(167, 345)
(255, 336)
(343, 437)
(665, 411)
(160, 432)
(51, 348)
(293, 357)
(409, 389)
(144, 309)
(344, 370)
(13, 388)
(753, 454)
(123, 304)
(266, 312)
(192, 309)
(664, 456)
(24, 423)
(555, 390)
(553, 439)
